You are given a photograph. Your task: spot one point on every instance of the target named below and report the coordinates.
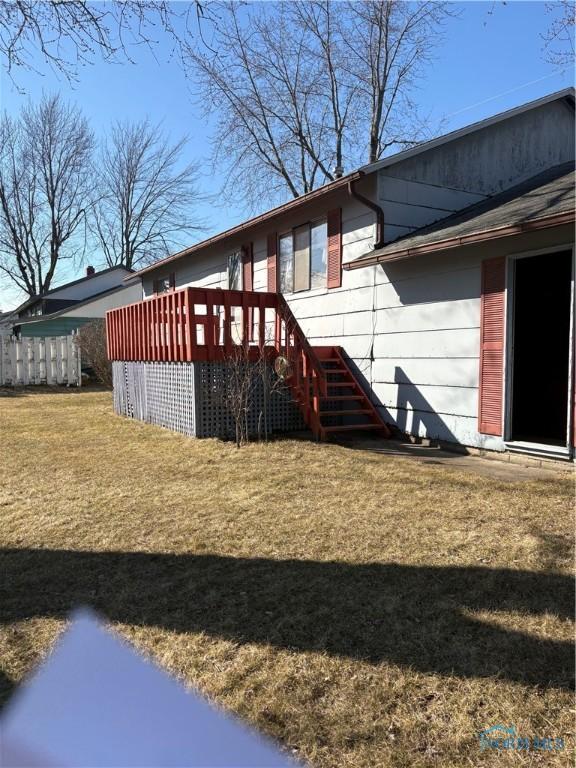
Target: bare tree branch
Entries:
(145, 195)
(304, 90)
(559, 37)
(45, 187)
(69, 34)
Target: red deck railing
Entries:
(205, 324)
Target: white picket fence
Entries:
(42, 360)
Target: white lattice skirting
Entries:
(188, 398)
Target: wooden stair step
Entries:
(334, 366)
(349, 427)
(346, 413)
(339, 371)
(343, 397)
(350, 383)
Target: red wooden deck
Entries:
(209, 324)
(212, 324)
(192, 324)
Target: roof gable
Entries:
(566, 95)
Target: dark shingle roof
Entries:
(547, 195)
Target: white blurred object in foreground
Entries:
(96, 702)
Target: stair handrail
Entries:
(288, 316)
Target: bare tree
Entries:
(241, 380)
(248, 389)
(390, 46)
(91, 338)
(304, 90)
(559, 37)
(70, 34)
(145, 195)
(254, 82)
(44, 188)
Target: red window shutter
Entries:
(334, 226)
(247, 267)
(272, 262)
(248, 281)
(492, 329)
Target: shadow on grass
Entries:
(407, 615)
(6, 687)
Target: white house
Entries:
(444, 274)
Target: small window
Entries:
(165, 284)
(235, 271)
(286, 259)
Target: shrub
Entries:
(91, 339)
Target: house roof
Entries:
(77, 305)
(39, 296)
(567, 95)
(543, 201)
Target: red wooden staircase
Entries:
(328, 393)
(345, 407)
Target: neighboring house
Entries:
(444, 274)
(63, 310)
(5, 324)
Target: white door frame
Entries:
(509, 338)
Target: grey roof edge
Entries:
(78, 280)
(568, 94)
(89, 300)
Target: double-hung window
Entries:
(302, 256)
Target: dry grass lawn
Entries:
(365, 610)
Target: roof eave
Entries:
(545, 222)
(262, 218)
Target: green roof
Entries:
(54, 326)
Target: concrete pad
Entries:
(497, 467)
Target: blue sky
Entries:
(491, 60)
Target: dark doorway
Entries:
(541, 350)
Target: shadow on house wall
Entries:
(436, 277)
(410, 401)
(427, 618)
(413, 410)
